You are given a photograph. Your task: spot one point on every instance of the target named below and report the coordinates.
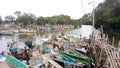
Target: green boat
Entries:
(72, 59)
(81, 59)
(10, 62)
(68, 61)
(15, 62)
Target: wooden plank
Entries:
(47, 58)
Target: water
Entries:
(85, 31)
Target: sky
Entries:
(74, 8)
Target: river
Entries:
(85, 31)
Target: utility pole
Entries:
(93, 33)
(93, 15)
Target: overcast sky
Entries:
(45, 8)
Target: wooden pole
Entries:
(101, 30)
(119, 44)
(114, 56)
(109, 60)
(113, 41)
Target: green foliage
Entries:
(87, 19)
(1, 20)
(59, 19)
(26, 19)
(108, 15)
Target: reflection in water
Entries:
(23, 37)
(85, 31)
(3, 42)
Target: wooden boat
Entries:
(66, 59)
(80, 62)
(68, 62)
(12, 62)
(48, 59)
(18, 53)
(15, 62)
(65, 64)
(81, 59)
(69, 59)
(73, 50)
(2, 58)
(27, 31)
(6, 33)
(45, 48)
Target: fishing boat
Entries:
(2, 58)
(6, 32)
(84, 60)
(18, 55)
(10, 62)
(68, 59)
(27, 31)
(15, 62)
(73, 61)
(67, 62)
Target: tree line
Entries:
(29, 18)
(107, 14)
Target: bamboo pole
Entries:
(114, 56)
(101, 30)
(109, 60)
(117, 57)
(107, 38)
(113, 40)
(119, 45)
(100, 57)
(111, 57)
(103, 37)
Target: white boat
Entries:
(6, 32)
